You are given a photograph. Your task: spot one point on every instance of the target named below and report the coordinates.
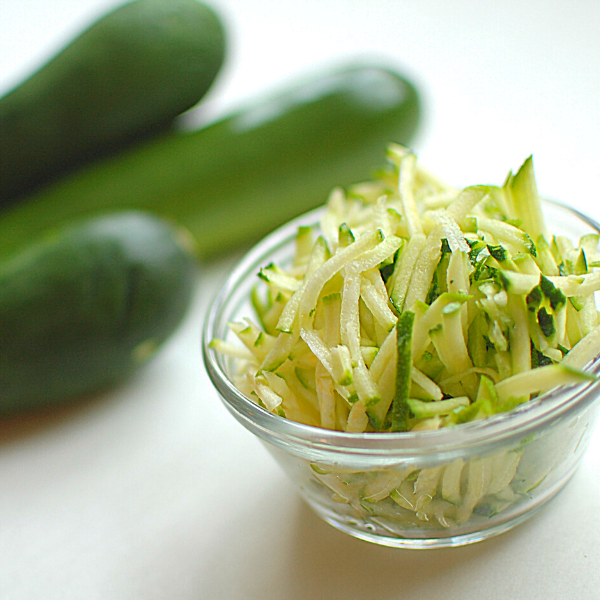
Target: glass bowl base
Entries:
(377, 531)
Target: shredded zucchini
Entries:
(420, 306)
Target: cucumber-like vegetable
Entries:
(131, 72)
(237, 179)
(83, 307)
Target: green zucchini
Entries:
(239, 178)
(87, 304)
(131, 73)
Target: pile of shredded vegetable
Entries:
(416, 305)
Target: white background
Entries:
(153, 491)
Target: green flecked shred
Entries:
(304, 244)
(476, 246)
(306, 378)
(514, 222)
(538, 359)
(413, 476)
(525, 200)
(512, 403)
(546, 322)
(333, 297)
(270, 267)
(534, 299)
(424, 410)
(503, 280)
(374, 422)
(469, 224)
(498, 252)
(530, 245)
(258, 400)
(318, 469)
(556, 297)
(434, 290)
(259, 304)
(580, 267)
(489, 345)
(400, 410)
(485, 405)
(387, 270)
(438, 282)
(346, 237)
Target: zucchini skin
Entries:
(131, 73)
(235, 180)
(85, 306)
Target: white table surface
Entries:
(153, 491)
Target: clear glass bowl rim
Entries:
(476, 436)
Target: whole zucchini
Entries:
(130, 73)
(237, 179)
(87, 304)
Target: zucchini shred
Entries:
(420, 306)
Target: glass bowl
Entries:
(447, 487)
